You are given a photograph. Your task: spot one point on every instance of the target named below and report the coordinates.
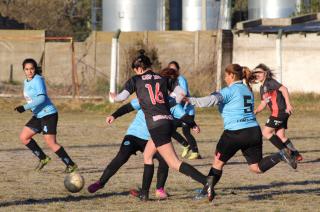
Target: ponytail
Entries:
(141, 61)
(247, 76)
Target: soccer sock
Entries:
(64, 157)
(268, 162)
(121, 158)
(216, 173)
(177, 136)
(191, 140)
(37, 151)
(290, 146)
(276, 141)
(190, 171)
(147, 177)
(162, 174)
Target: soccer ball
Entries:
(74, 182)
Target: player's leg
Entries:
(127, 148)
(49, 128)
(287, 142)
(162, 175)
(192, 142)
(180, 139)
(33, 127)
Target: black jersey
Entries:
(270, 93)
(152, 92)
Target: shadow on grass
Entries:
(271, 194)
(69, 198)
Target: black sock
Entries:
(64, 157)
(162, 174)
(290, 145)
(276, 141)
(191, 140)
(181, 140)
(193, 173)
(268, 162)
(147, 177)
(216, 173)
(121, 158)
(37, 151)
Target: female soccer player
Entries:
(194, 154)
(276, 96)
(44, 119)
(152, 92)
(135, 140)
(241, 130)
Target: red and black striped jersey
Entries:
(270, 93)
(152, 91)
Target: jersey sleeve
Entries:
(183, 84)
(226, 94)
(130, 85)
(39, 86)
(135, 104)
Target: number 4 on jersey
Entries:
(156, 97)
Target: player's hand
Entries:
(109, 119)
(196, 129)
(289, 109)
(20, 109)
(255, 112)
(112, 95)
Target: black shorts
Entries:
(280, 122)
(248, 140)
(162, 134)
(46, 125)
(131, 144)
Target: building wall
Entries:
(300, 57)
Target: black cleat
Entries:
(210, 190)
(287, 157)
(142, 195)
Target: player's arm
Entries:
(129, 88)
(260, 108)
(36, 101)
(207, 101)
(127, 108)
(178, 112)
(285, 94)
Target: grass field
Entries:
(92, 145)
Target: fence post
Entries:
(11, 74)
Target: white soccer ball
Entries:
(74, 182)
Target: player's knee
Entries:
(24, 139)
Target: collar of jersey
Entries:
(236, 82)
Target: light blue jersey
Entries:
(189, 109)
(138, 126)
(38, 102)
(236, 108)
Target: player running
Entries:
(44, 119)
(152, 92)
(241, 130)
(276, 96)
(192, 143)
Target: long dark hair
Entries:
(169, 72)
(265, 68)
(141, 61)
(37, 69)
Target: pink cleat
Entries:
(161, 194)
(95, 187)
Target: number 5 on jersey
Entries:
(156, 97)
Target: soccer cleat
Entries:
(42, 163)
(94, 187)
(287, 157)
(194, 155)
(210, 190)
(161, 194)
(297, 155)
(185, 151)
(70, 169)
(201, 193)
(142, 195)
